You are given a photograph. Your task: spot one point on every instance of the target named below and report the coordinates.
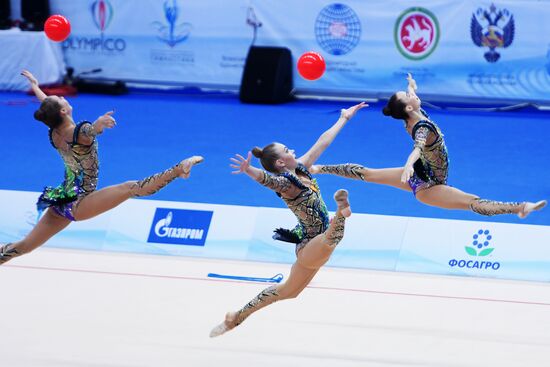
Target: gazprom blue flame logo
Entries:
(171, 32)
(180, 226)
(338, 29)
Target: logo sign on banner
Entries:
(171, 32)
(180, 226)
(492, 28)
(479, 248)
(338, 29)
(102, 15)
(480, 242)
(416, 33)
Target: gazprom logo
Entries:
(180, 226)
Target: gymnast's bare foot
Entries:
(228, 324)
(341, 198)
(530, 207)
(315, 169)
(188, 163)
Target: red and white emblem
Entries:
(416, 33)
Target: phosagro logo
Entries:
(480, 242)
(416, 33)
(479, 248)
(102, 16)
(180, 226)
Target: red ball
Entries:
(311, 65)
(57, 28)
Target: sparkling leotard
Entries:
(308, 206)
(81, 174)
(433, 165)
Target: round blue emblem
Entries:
(338, 29)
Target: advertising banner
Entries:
(391, 243)
(169, 42)
(455, 49)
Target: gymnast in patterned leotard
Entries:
(290, 179)
(308, 206)
(76, 198)
(426, 170)
(81, 173)
(432, 167)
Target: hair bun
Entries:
(39, 115)
(257, 152)
(386, 111)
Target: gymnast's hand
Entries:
(105, 121)
(412, 83)
(348, 113)
(27, 74)
(407, 174)
(241, 165)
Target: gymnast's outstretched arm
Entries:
(34, 85)
(88, 132)
(328, 136)
(278, 184)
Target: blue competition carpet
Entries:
(496, 155)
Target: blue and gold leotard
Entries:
(81, 174)
(308, 206)
(433, 165)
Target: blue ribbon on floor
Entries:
(274, 279)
